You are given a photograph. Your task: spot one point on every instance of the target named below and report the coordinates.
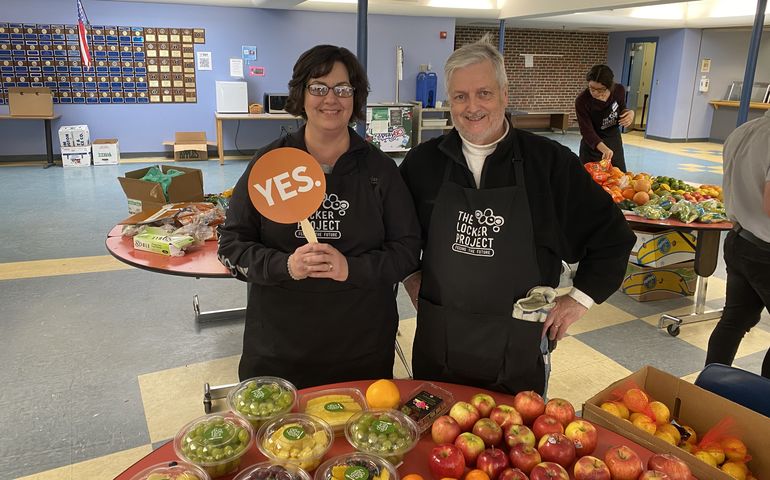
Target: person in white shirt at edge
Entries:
(499, 210)
(746, 186)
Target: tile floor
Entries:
(103, 362)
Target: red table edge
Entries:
(412, 463)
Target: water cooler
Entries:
(426, 89)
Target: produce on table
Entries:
(215, 442)
(356, 466)
(297, 439)
(335, 406)
(262, 398)
(383, 394)
(426, 403)
(270, 471)
(172, 471)
(386, 433)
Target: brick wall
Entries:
(553, 82)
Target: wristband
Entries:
(288, 267)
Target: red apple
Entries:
(444, 430)
(524, 457)
(675, 468)
(529, 404)
(465, 415)
(653, 475)
(548, 471)
(516, 434)
(492, 461)
(624, 463)
(560, 409)
(591, 468)
(489, 431)
(584, 435)
(505, 415)
(484, 403)
(471, 446)
(512, 474)
(555, 447)
(545, 424)
(446, 461)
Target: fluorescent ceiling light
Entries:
(476, 5)
(660, 12)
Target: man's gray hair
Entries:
(473, 53)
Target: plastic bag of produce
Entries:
(652, 211)
(686, 211)
(723, 441)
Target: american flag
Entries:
(85, 54)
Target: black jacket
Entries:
(249, 259)
(573, 218)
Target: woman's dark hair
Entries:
(319, 61)
(601, 74)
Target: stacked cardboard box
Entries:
(106, 151)
(75, 143)
(661, 266)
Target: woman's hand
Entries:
(626, 118)
(606, 151)
(320, 260)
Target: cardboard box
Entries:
(142, 194)
(659, 249)
(690, 405)
(106, 151)
(190, 146)
(645, 284)
(74, 136)
(30, 101)
(75, 157)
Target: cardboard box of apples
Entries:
(645, 415)
(532, 439)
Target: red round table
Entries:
(706, 259)
(416, 461)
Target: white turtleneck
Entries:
(475, 155)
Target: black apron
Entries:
(609, 132)
(479, 259)
(320, 331)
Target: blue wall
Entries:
(280, 36)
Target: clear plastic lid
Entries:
(172, 471)
(426, 403)
(272, 471)
(334, 405)
(295, 438)
(215, 442)
(262, 398)
(383, 432)
(356, 466)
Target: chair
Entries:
(742, 387)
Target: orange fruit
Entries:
(477, 474)
(628, 193)
(383, 394)
(641, 198)
(412, 476)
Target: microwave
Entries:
(276, 102)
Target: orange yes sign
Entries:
(286, 185)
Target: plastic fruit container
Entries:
(172, 471)
(357, 465)
(259, 399)
(382, 432)
(271, 471)
(334, 405)
(295, 438)
(426, 403)
(215, 442)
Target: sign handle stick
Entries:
(308, 231)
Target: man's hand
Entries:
(605, 150)
(566, 312)
(626, 118)
(412, 287)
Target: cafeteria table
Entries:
(415, 461)
(706, 259)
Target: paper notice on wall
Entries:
(249, 52)
(236, 67)
(204, 60)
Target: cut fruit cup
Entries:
(357, 465)
(215, 442)
(172, 471)
(271, 471)
(296, 439)
(260, 399)
(386, 433)
(334, 405)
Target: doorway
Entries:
(637, 78)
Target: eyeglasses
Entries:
(597, 90)
(320, 90)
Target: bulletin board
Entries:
(130, 65)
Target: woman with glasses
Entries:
(326, 312)
(601, 111)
